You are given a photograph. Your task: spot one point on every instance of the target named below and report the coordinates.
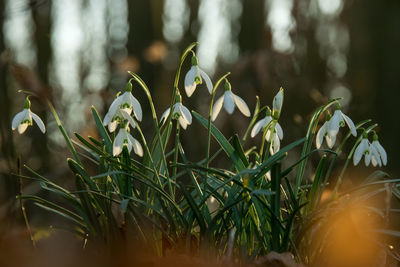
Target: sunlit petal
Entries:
(137, 147)
(165, 116)
(279, 130)
(186, 114)
(38, 121)
(229, 102)
(242, 106)
(351, 125)
(217, 108)
(22, 127)
(190, 84)
(257, 127)
(18, 118)
(207, 80)
(137, 109)
(320, 135)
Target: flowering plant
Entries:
(262, 205)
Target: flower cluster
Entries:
(331, 127)
(119, 113)
(274, 132)
(126, 110)
(373, 152)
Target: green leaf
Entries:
(102, 130)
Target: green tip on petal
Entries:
(194, 61)
(337, 106)
(27, 104)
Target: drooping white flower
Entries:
(195, 76)
(379, 148)
(229, 100)
(180, 112)
(124, 138)
(127, 102)
(370, 153)
(339, 119)
(273, 127)
(278, 102)
(323, 132)
(25, 118)
(363, 149)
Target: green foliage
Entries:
(165, 198)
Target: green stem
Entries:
(21, 202)
(176, 151)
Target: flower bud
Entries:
(278, 102)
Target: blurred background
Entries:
(76, 53)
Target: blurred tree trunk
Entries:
(42, 17)
(7, 153)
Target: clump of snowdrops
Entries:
(164, 197)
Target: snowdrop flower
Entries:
(379, 148)
(274, 127)
(323, 132)
(229, 100)
(278, 102)
(369, 152)
(180, 113)
(124, 138)
(339, 119)
(127, 102)
(24, 118)
(194, 76)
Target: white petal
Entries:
(107, 119)
(137, 147)
(334, 123)
(350, 123)
(217, 108)
(22, 127)
(112, 126)
(190, 84)
(381, 151)
(330, 140)
(275, 145)
(185, 113)
(279, 130)
(129, 118)
(320, 135)
(118, 142)
(367, 159)
(242, 106)
(183, 122)
(375, 156)
(137, 109)
(18, 118)
(207, 80)
(165, 116)
(359, 152)
(229, 102)
(38, 121)
(114, 107)
(257, 127)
